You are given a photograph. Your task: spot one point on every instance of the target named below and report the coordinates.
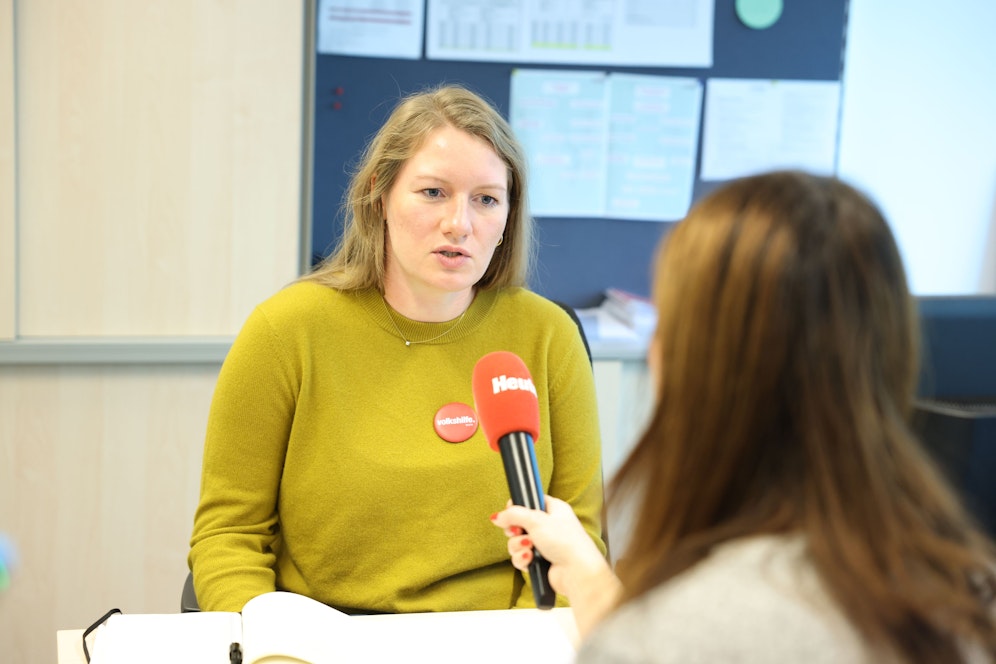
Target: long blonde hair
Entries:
(358, 260)
(787, 354)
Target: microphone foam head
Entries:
(505, 397)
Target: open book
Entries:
(282, 627)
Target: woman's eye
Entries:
(490, 201)
(433, 192)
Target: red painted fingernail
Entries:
(525, 554)
(526, 542)
(516, 530)
(494, 516)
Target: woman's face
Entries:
(445, 215)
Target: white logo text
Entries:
(504, 383)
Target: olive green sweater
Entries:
(323, 474)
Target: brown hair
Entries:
(787, 353)
(358, 260)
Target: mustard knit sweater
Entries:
(323, 474)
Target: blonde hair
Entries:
(787, 353)
(359, 258)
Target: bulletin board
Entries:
(578, 258)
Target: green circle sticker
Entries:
(759, 14)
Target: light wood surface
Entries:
(8, 202)
(101, 477)
(159, 171)
(158, 185)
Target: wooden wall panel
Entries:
(8, 202)
(101, 472)
(160, 163)
(158, 181)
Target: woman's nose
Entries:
(458, 220)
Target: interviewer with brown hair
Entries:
(783, 510)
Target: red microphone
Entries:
(508, 412)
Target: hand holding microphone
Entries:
(508, 412)
(557, 532)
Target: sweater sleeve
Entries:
(575, 437)
(235, 526)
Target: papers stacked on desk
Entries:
(635, 311)
(623, 321)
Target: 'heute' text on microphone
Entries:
(504, 383)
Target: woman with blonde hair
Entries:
(782, 508)
(342, 459)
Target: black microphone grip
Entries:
(519, 458)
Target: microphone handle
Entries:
(519, 458)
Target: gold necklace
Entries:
(409, 342)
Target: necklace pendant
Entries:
(408, 343)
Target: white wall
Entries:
(918, 133)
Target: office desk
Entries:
(70, 646)
(500, 646)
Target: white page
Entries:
(371, 28)
(561, 119)
(287, 624)
(281, 624)
(658, 33)
(482, 637)
(607, 145)
(755, 125)
(167, 638)
(653, 140)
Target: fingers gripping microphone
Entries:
(508, 412)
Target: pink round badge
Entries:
(455, 422)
